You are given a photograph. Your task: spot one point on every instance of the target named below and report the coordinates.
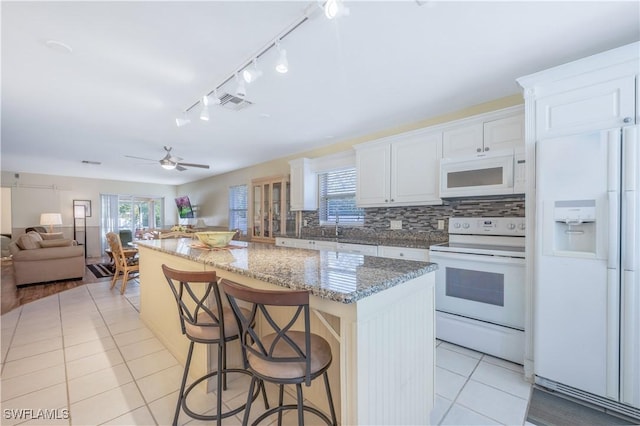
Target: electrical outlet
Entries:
(395, 224)
(440, 223)
(304, 222)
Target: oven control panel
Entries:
(487, 226)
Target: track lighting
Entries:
(241, 91)
(183, 121)
(335, 9)
(282, 66)
(252, 74)
(249, 69)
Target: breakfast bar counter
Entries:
(377, 314)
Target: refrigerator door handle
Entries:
(613, 261)
(613, 195)
(630, 204)
(630, 254)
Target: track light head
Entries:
(335, 9)
(183, 121)
(241, 90)
(204, 114)
(251, 74)
(282, 65)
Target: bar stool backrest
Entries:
(259, 301)
(194, 304)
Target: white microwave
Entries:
(495, 174)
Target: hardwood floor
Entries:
(12, 297)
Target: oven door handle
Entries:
(433, 256)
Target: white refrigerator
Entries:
(587, 282)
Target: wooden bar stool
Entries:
(280, 354)
(211, 325)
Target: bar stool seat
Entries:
(201, 323)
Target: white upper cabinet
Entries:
(463, 141)
(484, 137)
(504, 133)
(304, 185)
(594, 93)
(373, 175)
(597, 106)
(399, 171)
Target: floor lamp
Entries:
(80, 214)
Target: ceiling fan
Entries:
(170, 162)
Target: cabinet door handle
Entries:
(392, 200)
(627, 120)
(479, 150)
(486, 148)
(386, 201)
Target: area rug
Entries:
(101, 270)
(549, 409)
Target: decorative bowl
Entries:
(215, 238)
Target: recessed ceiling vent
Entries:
(233, 102)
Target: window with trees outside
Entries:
(119, 212)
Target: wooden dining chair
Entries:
(124, 260)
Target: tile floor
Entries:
(85, 357)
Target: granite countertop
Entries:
(341, 277)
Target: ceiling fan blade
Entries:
(140, 158)
(202, 166)
(180, 168)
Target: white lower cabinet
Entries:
(363, 249)
(404, 253)
(306, 244)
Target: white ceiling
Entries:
(136, 66)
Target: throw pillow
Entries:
(35, 236)
(55, 243)
(26, 242)
(52, 236)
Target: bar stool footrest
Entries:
(224, 415)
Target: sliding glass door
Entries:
(127, 212)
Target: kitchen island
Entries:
(377, 314)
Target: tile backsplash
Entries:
(420, 220)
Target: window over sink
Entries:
(337, 196)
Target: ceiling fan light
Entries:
(282, 66)
(168, 165)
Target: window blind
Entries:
(338, 197)
(238, 201)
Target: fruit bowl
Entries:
(215, 238)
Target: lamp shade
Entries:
(51, 219)
(79, 212)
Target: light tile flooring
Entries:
(83, 357)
